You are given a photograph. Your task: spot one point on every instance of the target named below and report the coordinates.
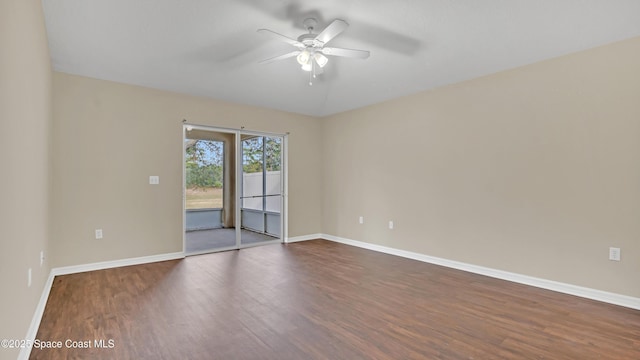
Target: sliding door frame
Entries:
(284, 212)
(283, 185)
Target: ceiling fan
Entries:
(311, 48)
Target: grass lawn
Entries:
(202, 198)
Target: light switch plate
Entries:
(614, 254)
(154, 180)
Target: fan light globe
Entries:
(307, 66)
(320, 59)
(303, 57)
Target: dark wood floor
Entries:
(322, 300)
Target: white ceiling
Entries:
(211, 48)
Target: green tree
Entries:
(204, 163)
(273, 151)
(252, 154)
(253, 150)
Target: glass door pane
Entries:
(209, 164)
(261, 195)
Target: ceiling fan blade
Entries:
(350, 53)
(280, 57)
(281, 37)
(331, 31)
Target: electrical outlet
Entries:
(614, 254)
(29, 278)
(98, 233)
(361, 220)
(391, 225)
(41, 258)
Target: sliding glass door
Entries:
(262, 188)
(233, 189)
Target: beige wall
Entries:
(534, 171)
(25, 128)
(109, 138)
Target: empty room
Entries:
(398, 179)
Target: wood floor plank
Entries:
(322, 300)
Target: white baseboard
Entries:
(593, 294)
(116, 263)
(303, 238)
(37, 315)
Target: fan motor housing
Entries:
(309, 41)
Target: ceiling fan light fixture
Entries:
(321, 59)
(310, 48)
(303, 57)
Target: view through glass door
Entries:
(233, 189)
(261, 183)
(209, 209)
